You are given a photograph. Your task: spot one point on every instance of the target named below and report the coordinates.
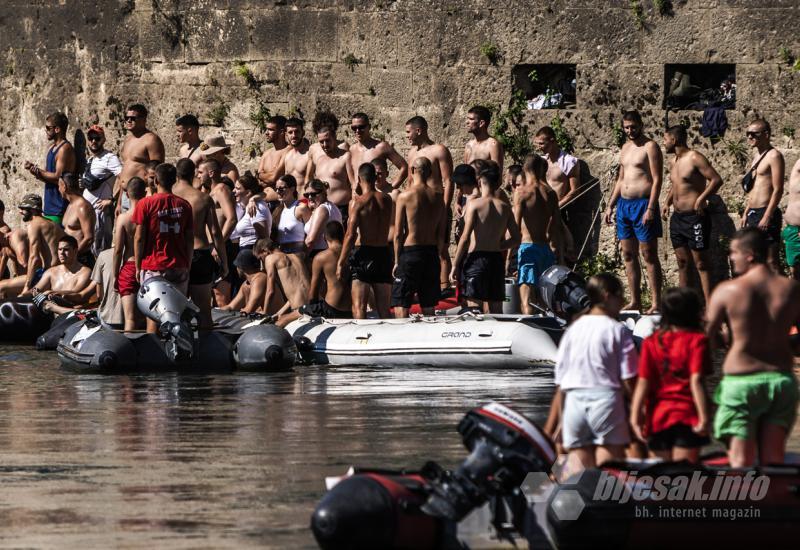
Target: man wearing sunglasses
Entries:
(766, 174)
(141, 146)
(367, 149)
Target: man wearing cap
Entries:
(42, 236)
(102, 168)
(215, 147)
(250, 298)
(188, 128)
(60, 159)
(367, 149)
(141, 146)
(79, 218)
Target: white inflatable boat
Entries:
(487, 341)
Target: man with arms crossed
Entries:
(124, 265)
(638, 187)
(418, 226)
(331, 164)
(367, 149)
(141, 146)
(757, 395)
(767, 171)
(486, 221)
(371, 261)
(536, 213)
(693, 181)
(791, 233)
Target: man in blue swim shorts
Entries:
(536, 213)
(635, 195)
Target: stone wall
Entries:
(392, 59)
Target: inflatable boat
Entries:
(468, 340)
(235, 343)
(22, 321)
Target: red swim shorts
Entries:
(126, 280)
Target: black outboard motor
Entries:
(380, 509)
(563, 291)
(160, 301)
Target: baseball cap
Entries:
(31, 201)
(247, 260)
(96, 129)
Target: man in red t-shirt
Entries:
(164, 237)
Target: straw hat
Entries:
(215, 144)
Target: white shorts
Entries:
(594, 416)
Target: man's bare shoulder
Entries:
(774, 155)
(652, 147)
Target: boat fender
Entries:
(265, 347)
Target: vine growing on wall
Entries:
(509, 128)
(563, 139)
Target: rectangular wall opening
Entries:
(546, 86)
(695, 86)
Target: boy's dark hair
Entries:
(367, 173)
(136, 188)
(279, 121)
(763, 123)
(59, 120)
(166, 175)
(601, 284)
(491, 173)
(632, 116)
(334, 231)
(679, 133)
(418, 122)
(515, 170)
(546, 131)
(295, 122)
(682, 308)
(361, 116)
(755, 241)
(185, 169)
(325, 121)
(482, 113)
(139, 109)
(70, 240)
(187, 121)
(534, 164)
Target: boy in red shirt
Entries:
(164, 238)
(670, 385)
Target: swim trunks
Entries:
(371, 265)
(483, 276)
(321, 308)
(677, 435)
(204, 268)
(417, 273)
(594, 416)
(178, 277)
(773, 231)
(791, 241)
(629, 220)
(55, 219)
(126, 279)
(747, 400)
(532, 260)
(37, 276)
(87, 259)
(687, 229)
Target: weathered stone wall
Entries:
(392, 59)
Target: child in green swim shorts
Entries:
(791, 242)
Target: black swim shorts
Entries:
(417, 273)
(321, 308)
(688, 229)
(371, 265)
(773, 232)
(344, 210)
(204, 267)
(677, 435)
(483, 276)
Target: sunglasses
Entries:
(753, 134)
(310, 195)
(95, 138)
(49, 128)
(130, 118)
(358, 127)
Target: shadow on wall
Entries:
(722, 230)
(79, 144)
(581, 216)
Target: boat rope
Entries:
(582, 190)
(610, 176)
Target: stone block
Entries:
(216, 35)
(293, 35)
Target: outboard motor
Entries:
(563, 291)
(161, 302)
(380, 509)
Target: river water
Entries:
(216, 461)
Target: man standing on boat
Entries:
(757, 395)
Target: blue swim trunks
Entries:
(533, 259)
(629, 220)
(37, 276)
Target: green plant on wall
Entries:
(663, 7)
(563, 139)
(599, 263)
(788, 131)
(254, 150)
(491, 52)
(218, 113)
(259, 115)
(638, 14)
(246, 73)
(617, 135)
(509, 128)
(533, 76)
(351, 61)
(735, 205)
(786, 55)
(738, 150)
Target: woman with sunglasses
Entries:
(322, 211)
(251, 227)
(292, 216)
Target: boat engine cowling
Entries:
(161, 302)
(563, 291)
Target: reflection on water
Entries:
(216, 461)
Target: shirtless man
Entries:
(418, 225)
(295, 160)
(215, 147)
(371, 261)
(331, 164)
(638, 187)
(68, 277)
(482, 145)
(439, 180)
(536, 213)
(767, 171)
(286, 273)
(42, 238)
(693, 180)
(209, 175)
(123, 265)
(336, 303)
(187, 128)
(757, 395)
(204, 268)
(271, 166)
(141, 146)
(250, 298)
(367, 149)
(383, 185)
(60, 160)
(791, 233)
(79, 218)
(487, 221)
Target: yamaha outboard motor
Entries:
(563, 292)
(381, 509)
(161, 302)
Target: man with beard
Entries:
(271, 165)
(102, 167)
(188, 128)
(482, 145)
(367, 149)
(638, 187)
(141, 146)
(332, 165)
(295, 161)
(60, 160)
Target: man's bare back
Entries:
(225, 207)
(43, 238)
(79, 214)
(125, 228)
(373, 213)
(289, 272)
(337, 294)
(535, 211)
(441, 165)
(201, 204)
(490, 219)
(420, 211)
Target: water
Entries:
(216, 461)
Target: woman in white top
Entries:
(250, 228)
(322, 212)
(292, 215)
